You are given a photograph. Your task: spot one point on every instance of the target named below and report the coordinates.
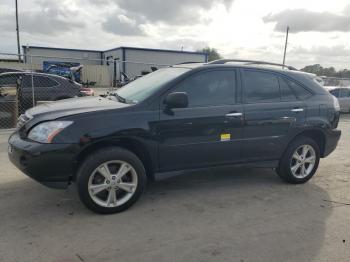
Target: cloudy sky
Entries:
(249, 29)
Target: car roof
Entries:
(242, 63)
(271, 68)
(32, 73)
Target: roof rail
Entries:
(249, 62)
(185, 63)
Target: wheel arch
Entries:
(133, 145)
(316, 134)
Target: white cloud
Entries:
(48, 19)
(122, 25)
(236, 28)
(302, 20)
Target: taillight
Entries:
(336, 104)
(87, 91)
(336, 112)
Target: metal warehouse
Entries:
(106, 66)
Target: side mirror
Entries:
(176, 100)
(19, 81)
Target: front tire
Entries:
(300, 161)
(111, 180)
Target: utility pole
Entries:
(17, 29)
(285, 48)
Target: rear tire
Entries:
(300, 161)
(111, 180)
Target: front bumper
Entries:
(331, 138)
(49, 164)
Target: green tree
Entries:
(314, 69)
(213, 54)
(326, 71)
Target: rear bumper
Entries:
(49, 164)
(331, 138)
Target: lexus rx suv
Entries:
(187, 116)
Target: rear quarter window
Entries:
(287, 93)
(301, 92)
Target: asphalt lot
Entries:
(217, 215)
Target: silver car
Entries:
(343, 95)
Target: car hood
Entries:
(73, 106)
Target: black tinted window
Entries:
(335, 92)
(300, 91)
(26, 81)
(210, 88)
(43, 81)
(344, 92)
(260, 87)
(8, 80)
(287, 94)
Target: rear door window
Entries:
(260, 87)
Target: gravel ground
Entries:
(216, 215)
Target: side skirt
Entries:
(263, 164)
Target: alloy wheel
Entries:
(303, 161)
(112, 183)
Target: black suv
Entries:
(182, 117)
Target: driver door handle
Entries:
(297, 110)
(236, 114)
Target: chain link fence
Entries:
(336, 81)
(26, 81)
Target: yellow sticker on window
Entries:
(225, 137)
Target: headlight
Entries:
(336, 104)
(45, 132)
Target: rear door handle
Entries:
(297, 110)
(234, 114)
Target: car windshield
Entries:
(140, 89)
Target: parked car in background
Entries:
(187, 116)
(40, 87)
(343, 96)
(4, 70)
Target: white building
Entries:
(130, 60)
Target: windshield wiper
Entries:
(122, 99)
(118, 97)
